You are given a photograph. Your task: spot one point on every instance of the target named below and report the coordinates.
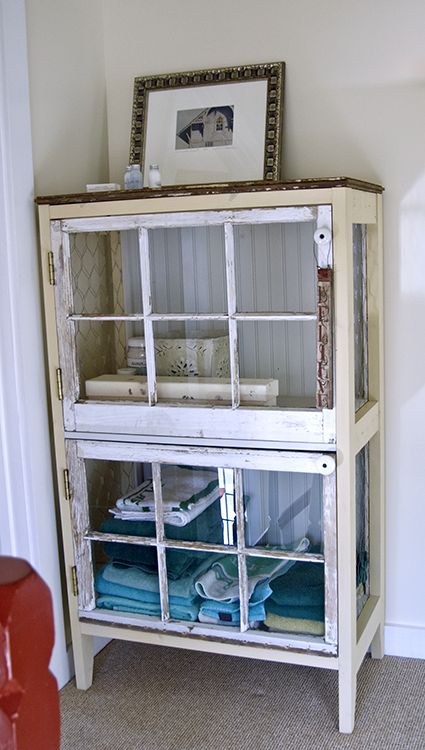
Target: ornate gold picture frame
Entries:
(210, 126)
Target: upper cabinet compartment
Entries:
(226, 311)
(229, 309)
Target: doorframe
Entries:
(27, 506)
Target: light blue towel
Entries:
(129, 581)
(229, 612)
(187, 611)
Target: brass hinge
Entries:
(52, 280)
(74, 580)
(66, 483)
(59, 383)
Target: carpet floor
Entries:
(157, 698)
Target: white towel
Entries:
(186, 493)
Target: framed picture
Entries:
(210, 126)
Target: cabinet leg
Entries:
(347, 700)
(83, 661)
(377, 645)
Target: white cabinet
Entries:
(225, 495)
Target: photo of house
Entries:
(205, 128)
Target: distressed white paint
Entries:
(199, 219)
(145, 280)
(296, 425)
(284, 648)
(305, 462)
(273, 424)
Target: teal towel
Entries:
(207, 528)
(229, 612)
(221, 581)
(302, 585)
(136, 583)
(222, 616)
(186, 611)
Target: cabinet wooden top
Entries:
(213, 189)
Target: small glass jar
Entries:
(154, 176)
(136, 355)
(133, 178)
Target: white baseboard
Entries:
(405, 640)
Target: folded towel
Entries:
(185, 494)
(305, 612)
(202, 617)
(302, 585)
(221, 581)
(131, 581)
(295, 625)
(208, 529)
(185, 611)
(229, 612)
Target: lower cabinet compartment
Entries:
(228, 544)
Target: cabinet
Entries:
(229, 497)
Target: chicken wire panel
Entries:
(106, 481)
(100, 349)
(97, 288)
(96, 265)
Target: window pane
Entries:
(285, 354)
(360, 314)
(275, 268)
(105, 273)
(297, 601)
(362, 527)
(188, 270)
(283, 510)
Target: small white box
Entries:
(100, 187)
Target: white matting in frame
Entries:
(243, 160)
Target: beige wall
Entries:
(67, 93)
(354, 105)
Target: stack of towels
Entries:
(131, 588)
(129, 581)
(219, 587)
(296, 604)
(186, 492)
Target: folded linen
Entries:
(305, 612)
(202, 617)
(131, 581)
(229, 612)
(294, 625)
(186, 493)
(179, 611)
(207, 528)
(221, 581)
(302, 585)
